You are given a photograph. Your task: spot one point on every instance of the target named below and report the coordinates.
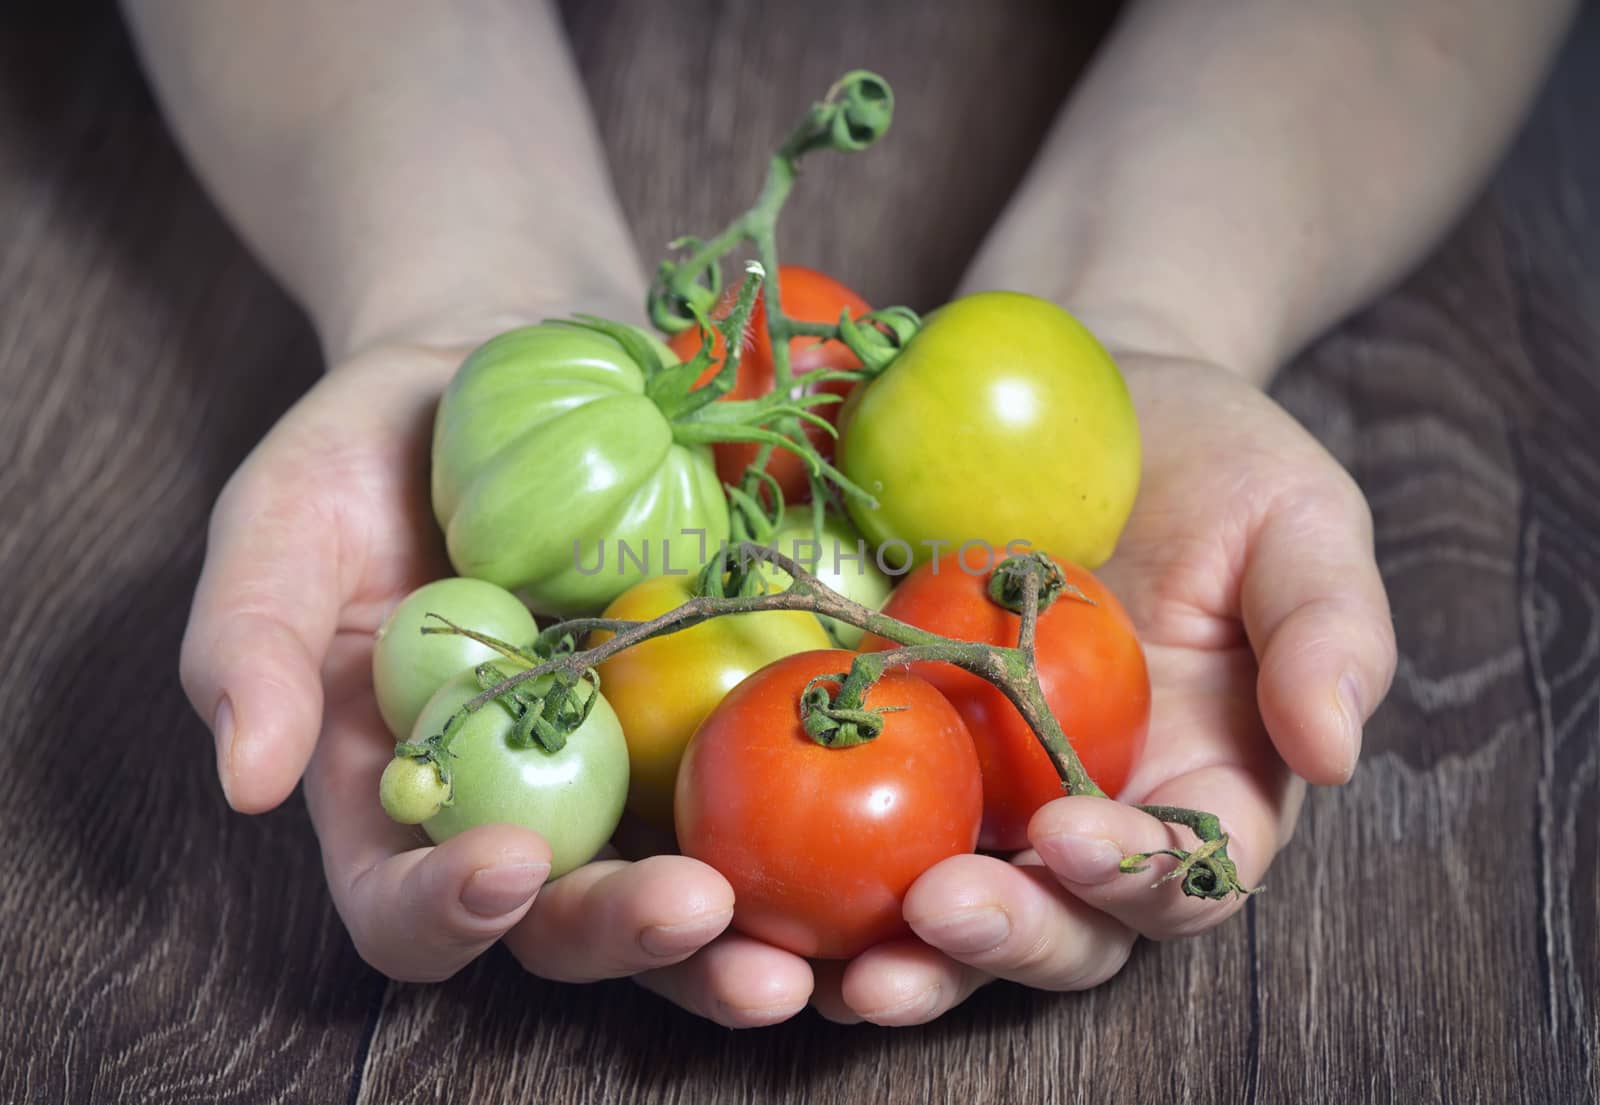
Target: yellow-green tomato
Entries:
(663, 688)
(1002, 421)
(573, 798)
(411, 790)
(409, 665)
(838, 556)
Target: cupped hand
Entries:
(1248, 568)
(322, 530)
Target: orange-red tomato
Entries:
(808, 296)
(1091, 668)
(821, 844)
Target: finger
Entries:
(905, 982)
(827, 980)
(614, 918)
(1317, 615)
(415, 913)
(1015, 921)
(737, 981)
(1082, 841)
(263, 614)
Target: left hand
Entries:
(1248, 568)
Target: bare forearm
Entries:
(409, 170)
(1234, 176)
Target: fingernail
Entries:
(222, 729)
(1350, 705)
(966, 933)
(1085, 859)
(677, 939)
(495, 891)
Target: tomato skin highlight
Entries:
(1003, 420)
(821, 844)
(808, 296)
(662, 689)
(1091, 668)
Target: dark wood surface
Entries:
(1430, 934)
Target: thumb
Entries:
(1317, 615)
(264, 612)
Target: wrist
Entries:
(1159, 315)
(460, 319)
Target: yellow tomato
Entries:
(1002, 421)
(664, 688)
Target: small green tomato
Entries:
(408, 666)
(839, 557)
(411, 790)
(573, 798)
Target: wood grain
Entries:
(1429, 936)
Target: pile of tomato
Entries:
(563, 487)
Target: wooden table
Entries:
(1430, 934)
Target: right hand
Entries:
(323, 529)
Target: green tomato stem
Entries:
(855, 112)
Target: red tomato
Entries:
(808, 296)
(821, 844)
(1091, 668)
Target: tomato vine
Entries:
(1026, 584)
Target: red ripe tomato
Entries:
(808, 296)
(1091, 668)
(821, 844)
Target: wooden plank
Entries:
(155, 946)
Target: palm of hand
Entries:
(322, 531)
(1247, 568)
(327, 526)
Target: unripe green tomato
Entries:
(408, 666)
(548, 459)
(1002, 421)
(838, 556)
(411, 790)
(573, 798)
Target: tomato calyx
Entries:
(544, 714)
(877, 337)
(1207, 871)
(830, 722)
(1013, 576)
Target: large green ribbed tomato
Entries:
(1002, 421)
(549, 458)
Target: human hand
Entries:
(1248, 569)
(323, 529)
